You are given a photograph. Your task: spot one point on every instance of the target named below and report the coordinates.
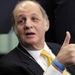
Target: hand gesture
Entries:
(66, 55)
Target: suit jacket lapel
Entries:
(30, 61)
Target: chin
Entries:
(30, 42)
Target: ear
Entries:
(47, 26)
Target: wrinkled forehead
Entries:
(27, 5)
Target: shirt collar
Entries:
(36, 53)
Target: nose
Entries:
(28, 24)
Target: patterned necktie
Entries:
(47, 56)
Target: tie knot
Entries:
(46, 55)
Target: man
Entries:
(30, 23)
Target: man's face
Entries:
(29, 23)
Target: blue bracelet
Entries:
(58, 65)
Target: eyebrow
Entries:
(19, 16)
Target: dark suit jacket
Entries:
(20, 62)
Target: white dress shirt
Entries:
(43, 63)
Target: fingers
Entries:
(66, 55)
(67, 39)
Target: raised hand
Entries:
(66, 55)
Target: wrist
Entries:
(58, 66)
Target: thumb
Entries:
(67, 39)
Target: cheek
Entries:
(18, 30)
(40, 26)
(41, 30)
(20, 34)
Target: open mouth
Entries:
(30, 34)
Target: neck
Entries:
(34, 46)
